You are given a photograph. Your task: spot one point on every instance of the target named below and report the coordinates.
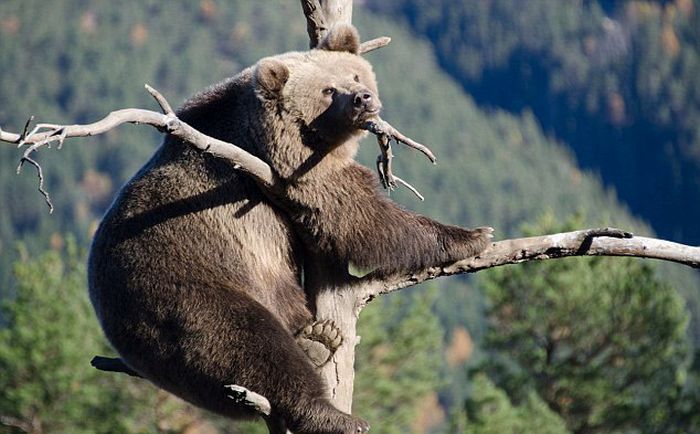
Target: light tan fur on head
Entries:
(313, 100)
(271, 75)
(324, 79)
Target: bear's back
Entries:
(187, 220)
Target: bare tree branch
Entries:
(385, 134)
(44, 134)
(160, 99)
(380, 127)
(587, 242)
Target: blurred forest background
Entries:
(545, 115)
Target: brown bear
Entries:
(195, 274)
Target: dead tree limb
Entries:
(45, 134)
(374, 44)
(385, 134)
(587, 242)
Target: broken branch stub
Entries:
(242, 396)
(374, 44)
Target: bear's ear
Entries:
(342, 37)
(271, 75)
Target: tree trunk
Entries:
(321, 15)
(335, 291)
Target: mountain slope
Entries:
(619, 82)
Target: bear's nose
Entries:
(363, 99)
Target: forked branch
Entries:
(385, 134)
(43, 135)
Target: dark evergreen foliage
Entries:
(619, 81)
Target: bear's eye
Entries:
(329, 91)
(356, 78)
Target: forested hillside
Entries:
(494, 167)
(618, 81)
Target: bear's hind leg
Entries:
(279, 370)
(229, 338)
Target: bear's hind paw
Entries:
(320, 340)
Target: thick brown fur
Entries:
(195, 274)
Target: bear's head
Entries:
(326, 93)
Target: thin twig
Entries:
(40, 175)
(26, 128)
(384, 166)
(410, 187)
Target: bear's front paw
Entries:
(319, 341)
(476, 241)
(485, 232)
